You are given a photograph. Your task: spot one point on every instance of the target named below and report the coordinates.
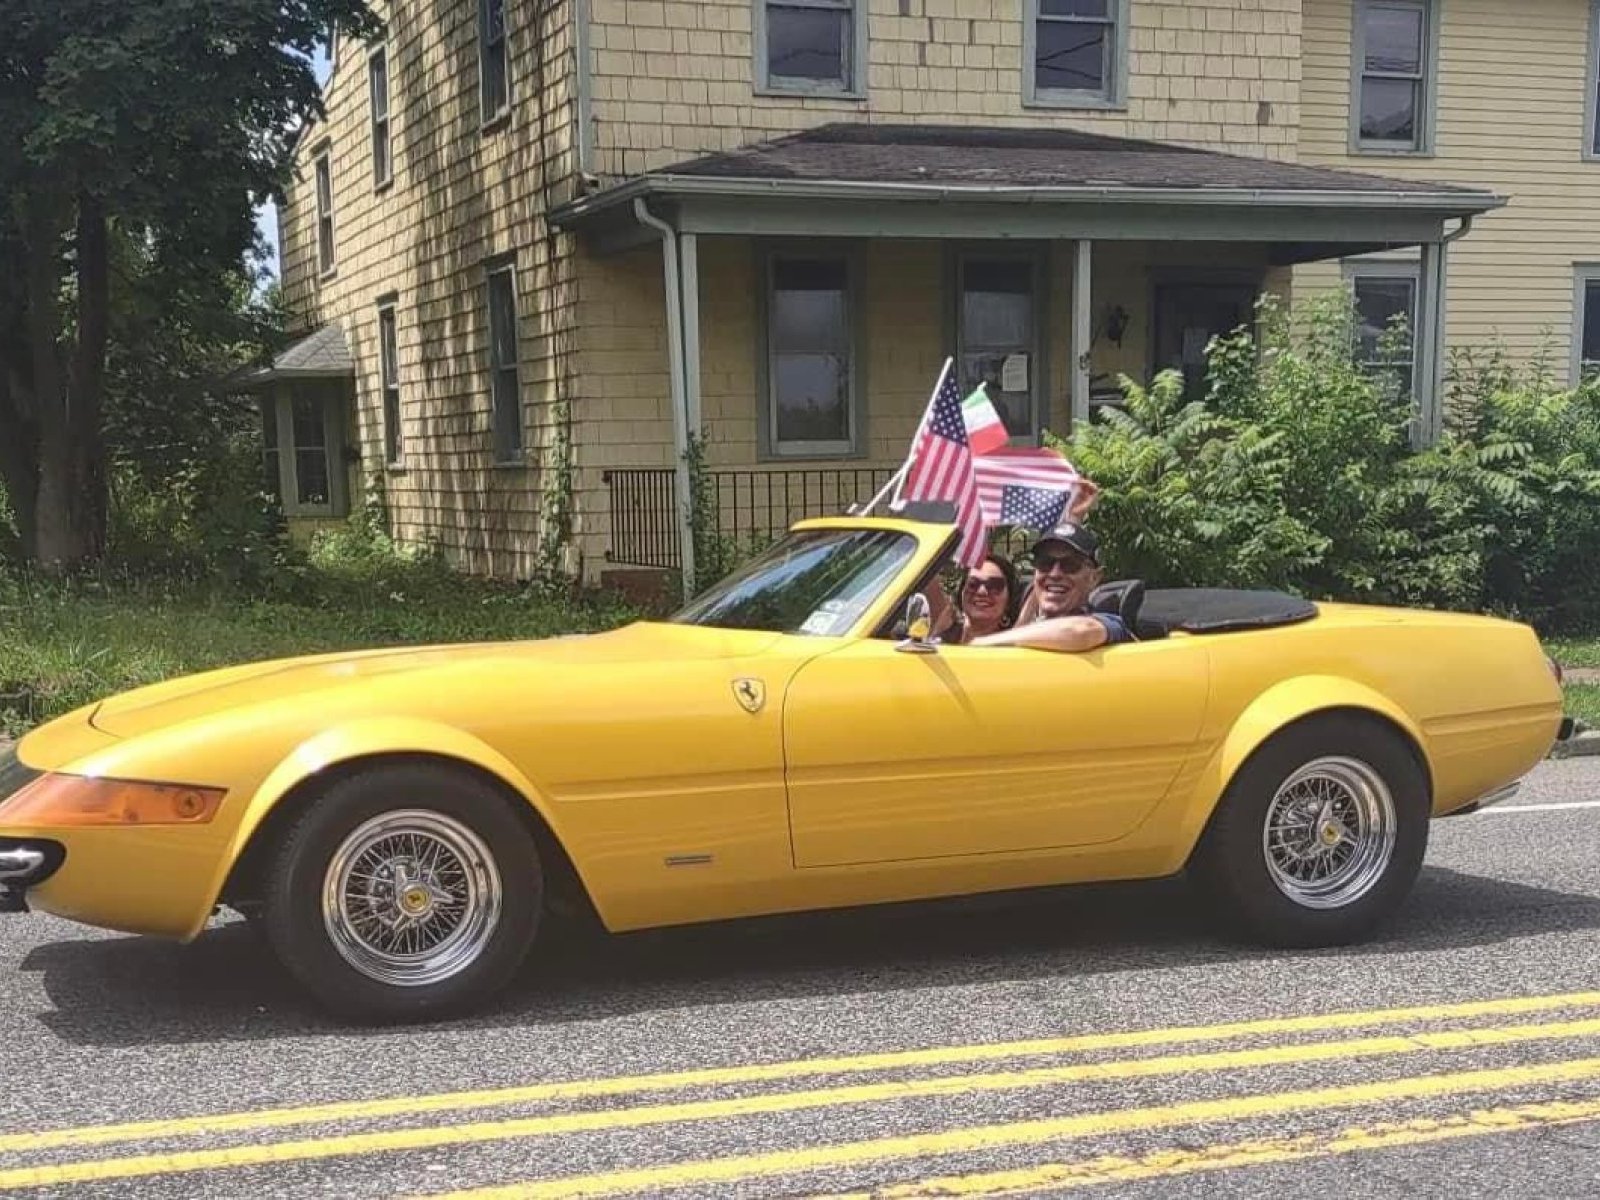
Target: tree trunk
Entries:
(69, 519)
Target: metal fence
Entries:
(750, 508)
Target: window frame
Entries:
(384, 177)
(1037, 256)
(1425, 141)
(1113, 97)
(327, 252)
(1591, 104)
(281, 400)
(768, 446)
(394, 445)
(1585, 276)
(516, 456)
(489, 119)
(1408, 269)
(853, 87)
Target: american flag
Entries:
(1031, 507)
(1035, 467)
(941, 469)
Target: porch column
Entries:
(689, 277)
(1430, 344)
(1082, 329)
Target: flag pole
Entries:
(899, 479)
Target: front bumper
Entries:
(25, 863)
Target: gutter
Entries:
(679, 386)
(1453, 203)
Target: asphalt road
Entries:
(1101, 1039)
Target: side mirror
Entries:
(918, 627)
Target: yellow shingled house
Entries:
(539, 250)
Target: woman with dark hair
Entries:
(990, 596)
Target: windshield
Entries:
(818, 582)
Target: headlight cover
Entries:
(58, 801)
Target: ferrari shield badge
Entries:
(751, 693)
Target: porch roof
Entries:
(321, 354)
(974, 181)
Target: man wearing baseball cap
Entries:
(1066, 568)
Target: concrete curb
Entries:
(1584, 745)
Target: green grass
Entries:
(64, 645)
(1574, 651)
(1583, 700)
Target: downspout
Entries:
(679, 386)
(583, 96)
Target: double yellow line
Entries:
(841, 1094)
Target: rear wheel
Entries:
(1320, 835)
(406, 891)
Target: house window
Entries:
(997, 335)
(378, 87)
(505, 394)
(303, 451)
(389, 372)
(1076, 52)
(494, 72)
(1386, 319)
(1586, 325)
(810, 45)
(324, 176)
(1592, 100)
(1394, 67)
(811, 356)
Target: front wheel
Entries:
(1320, 835)
(405, 891)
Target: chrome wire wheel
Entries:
(1329, 833)
(411, 897)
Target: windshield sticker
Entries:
(819, 624)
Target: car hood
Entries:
(189, 697)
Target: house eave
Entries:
(1428, 202)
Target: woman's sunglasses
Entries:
(993, 586)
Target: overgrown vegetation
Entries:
(1298, 471)
(68, 641)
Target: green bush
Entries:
(1297, 471)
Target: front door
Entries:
(1188, 316)
(983, 750)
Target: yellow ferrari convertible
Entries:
(398, 823)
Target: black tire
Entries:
(1231, 866)
(298, 866)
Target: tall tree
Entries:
(162, 122)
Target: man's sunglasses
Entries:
(1069, 563)
(977, 584)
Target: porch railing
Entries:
(747, 509)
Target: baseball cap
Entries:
(1074, 535)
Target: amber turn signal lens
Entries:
(74, 800)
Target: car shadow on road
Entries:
(227, 985)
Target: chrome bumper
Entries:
(23, 865)
(20, 862)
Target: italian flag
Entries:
(985, 430)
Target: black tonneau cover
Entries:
(1218, 610)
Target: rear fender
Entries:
(1274, 710)
(368, 739)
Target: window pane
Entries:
(507, 415)
(1075, 8)
(1378, 302)
(807, 43)
(311, 476)
(1071, 56)
(997, 306)
(1394, 40)
(379, 69)
(1389, 110)
(502, 320)
(810, 339)
(387, 360)
(494, 19)
(309, 430)
(1591, 322)
(324, 186)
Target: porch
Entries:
(801, 294)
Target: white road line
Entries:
(1514, 808)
